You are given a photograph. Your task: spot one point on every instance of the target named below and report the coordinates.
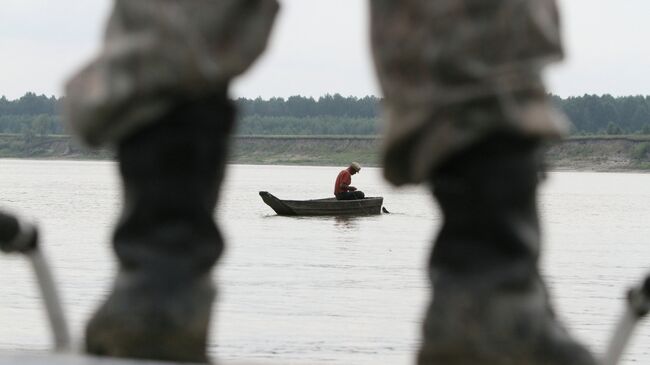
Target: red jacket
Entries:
(343, 178)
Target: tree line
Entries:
(31, 115)
(301, 106)
(339, 115)
(606, 114)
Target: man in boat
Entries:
(467, 114)
(343, 190)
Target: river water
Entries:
(323, 290)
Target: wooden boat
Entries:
(329, 206)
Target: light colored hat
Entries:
(356, 166)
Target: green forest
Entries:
(40, 115)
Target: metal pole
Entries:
(16, 236)
(51, 299)
(638, 306)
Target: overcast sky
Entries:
(319, 47)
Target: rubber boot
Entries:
(166, 240)
(490, 305)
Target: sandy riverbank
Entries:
(612, 153)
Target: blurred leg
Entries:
(490, 305)
(166, 240)
(158, 94)
(467, 113)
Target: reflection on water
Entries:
(346, 223)
(323, 290)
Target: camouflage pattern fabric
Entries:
(157, 53)
(455, 71)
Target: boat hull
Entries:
(330, 206)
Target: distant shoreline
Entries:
(630, 153)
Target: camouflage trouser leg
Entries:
(158, 94)
(157, 54)
(455, 71)
(466, 112)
